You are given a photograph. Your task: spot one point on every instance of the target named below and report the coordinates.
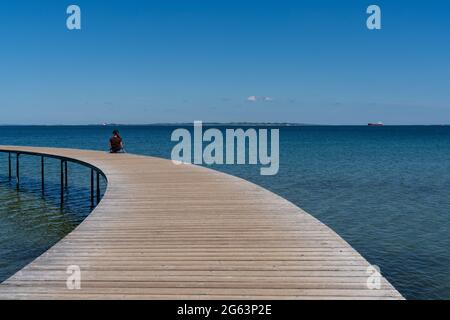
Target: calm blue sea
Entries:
(385, 190)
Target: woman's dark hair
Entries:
(116, 133)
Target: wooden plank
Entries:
(164, 231)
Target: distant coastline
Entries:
(168, 124)
(236, 124)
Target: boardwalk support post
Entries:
(98, 187)
(62, 183)
(9, 166)
(42, 175)
(18, 170)
(65, 175)
(92, 188)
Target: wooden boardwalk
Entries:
(164, 231)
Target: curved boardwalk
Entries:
(164, 231)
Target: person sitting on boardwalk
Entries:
(116, 143)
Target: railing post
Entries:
(92, 188)
(9, 166)
(95, 194)
(62, 183)
(18, 170)
(98, 187)
(42, 175)
(65, 174)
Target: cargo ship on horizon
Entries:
(375, 124)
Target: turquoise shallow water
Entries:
(385, 190)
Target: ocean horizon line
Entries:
(279, 124)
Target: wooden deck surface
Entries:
(164, 231)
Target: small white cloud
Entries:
(255, 99)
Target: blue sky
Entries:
(179, 61)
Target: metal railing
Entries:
(95, 188)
